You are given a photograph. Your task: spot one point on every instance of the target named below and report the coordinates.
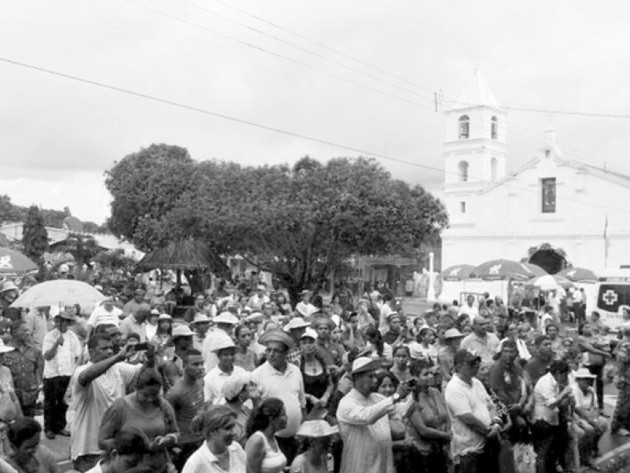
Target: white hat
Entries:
(316, 428)
(182, 330)
(235, 384)
(4, 348)
(294, 323)
(64, 268)
(222, 342)
(200, 318)
(584, 373)
(309, 333)
(452, 333)
(226, 318)
(155, 312)
(164, 317)
(254, 317)
(363, 363)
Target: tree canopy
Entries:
(299, 222)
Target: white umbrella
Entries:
(546, 283)
(58, 293)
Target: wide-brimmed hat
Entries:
(452, 333)
(584, 373)
(4, 348)
(201, 318)
(295, 323)
(8, 286)
(222, 342)
(316, 429)
(165, 317)
(65, 315)
(226, 318)
(309, 333)
(276, 336)
(182, 330)
(363, 364)
(255, 317)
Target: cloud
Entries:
(55, 132)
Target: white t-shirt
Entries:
(288, 387)
(214, 381)
(463, 398)
(100, 316)
(92, 400)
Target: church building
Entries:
(553, 210)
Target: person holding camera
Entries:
(363, 421)
(95, 387)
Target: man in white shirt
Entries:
(95, 387)
(283, 380)
(259, 298)
(61, 350)
(225, 369)
(224, 325)
(304, 307)
(364, 422)
(104, 314)
(549, 435)
(470, 308)
(473, 416)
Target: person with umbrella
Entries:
(62, 351)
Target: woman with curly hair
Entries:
(262, 449)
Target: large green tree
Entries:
(299, 222)
(34, 234)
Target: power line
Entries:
(308, 51)
(267, 127)
(275, 54)
(528, 135)
(261, 49)
(323, 46)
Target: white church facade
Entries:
(494, 213)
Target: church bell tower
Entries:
(475, 147)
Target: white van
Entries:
(612, 290)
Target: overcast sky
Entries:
(57, 136)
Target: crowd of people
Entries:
(242, 381)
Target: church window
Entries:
(463, 171)
(462, 207)
(494, 128)
(493, 169)
(548, 195)
(464, 127)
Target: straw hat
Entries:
(182, 330)
(363, 364)
(224, 341)
(316, 429)
(295, 323)
(226, 318)
(201, 318)
(584, 373)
